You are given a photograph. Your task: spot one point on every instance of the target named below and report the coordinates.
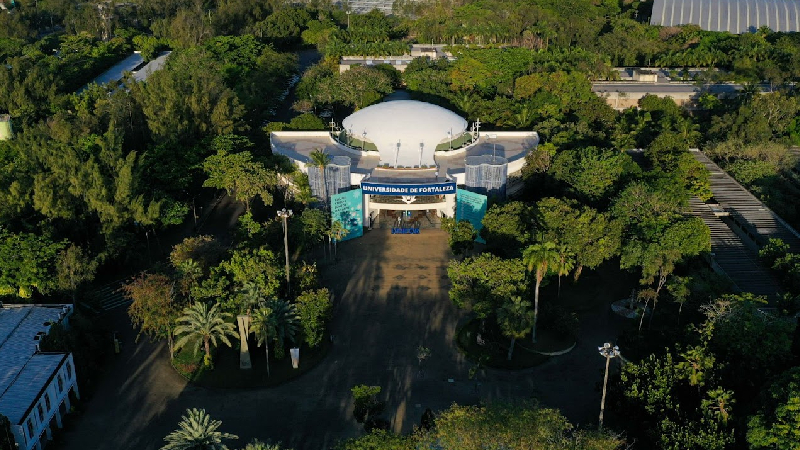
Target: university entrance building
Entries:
(405, 164)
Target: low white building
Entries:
(35, 386)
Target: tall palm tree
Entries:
(263, 326)
(320, 159)
(205, 325)
(197, 431)
(542, 258)
(514, 319)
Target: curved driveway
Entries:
(391, 296)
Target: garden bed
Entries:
(227, 374)
(494, 352)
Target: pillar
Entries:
(450, 205)
(58, 417)
(365, 210)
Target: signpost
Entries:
(472, 207)
(347, 208)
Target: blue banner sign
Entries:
(347, 209)
(472, 207)
(405, 230)
(447, 187)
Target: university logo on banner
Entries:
(347, 208)
(472, 207)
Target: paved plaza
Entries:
(391, 297)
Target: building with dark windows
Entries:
(35, 387)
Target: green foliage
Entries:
(510, 426)
(27, 263)
(483, 283)
(204, 326)
(259, 267)
(154, 308)
(378, 440)
(461, 235)
(515, 319)
(74, 268)
(197, 430)
(239, 175)
(590, 236)
(777, 424)
(88, 343)
(592, 173)
(366, 405)
(306, 121)
(314, 309)
(508, 227)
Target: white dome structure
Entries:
(406, 132)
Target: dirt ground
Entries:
(391, 297)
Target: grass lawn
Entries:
(226, 372)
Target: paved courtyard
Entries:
(391, 297)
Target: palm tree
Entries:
(258, 445)
(287, 323)
(197, 431)
(515, 319)
(318, 158)
(564, 265)
(205, 325)
(542, 258)
(263, 326)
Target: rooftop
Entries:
(23, 372)
(406, 132)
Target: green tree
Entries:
(203, 326)
(483, 283)
(73, 268)
(197, 431)
(366, 405)
(240, 176)
(461, 235)
(255, 444)
(378, 439)
(512, 426)
(777, 423)
(508, 227)
(314, 310)
(259, 267)
(154, 308)
(27, 263)
(515, 319)
(539, 259)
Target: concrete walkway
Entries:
(391, 296)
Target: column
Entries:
(450, 205)
(58, 416)
(365, 210)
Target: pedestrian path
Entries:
(754, 218)
(731, 255)
(107, 297)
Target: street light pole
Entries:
(285, 214)
(608, 352)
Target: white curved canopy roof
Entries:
(406, 132)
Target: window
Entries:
(60, 384)
(30, 428)
(41, 412)
(47, 400)
(69, 370)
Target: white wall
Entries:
(57, 396)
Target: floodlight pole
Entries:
(450, 138)
(608, 352)
(363, 139)
(285, 214)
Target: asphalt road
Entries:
(391, 297)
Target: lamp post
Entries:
(285, 214)
(363, 139)
(450, 137)
(608, 352)
(348, 20)
(492, 137)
